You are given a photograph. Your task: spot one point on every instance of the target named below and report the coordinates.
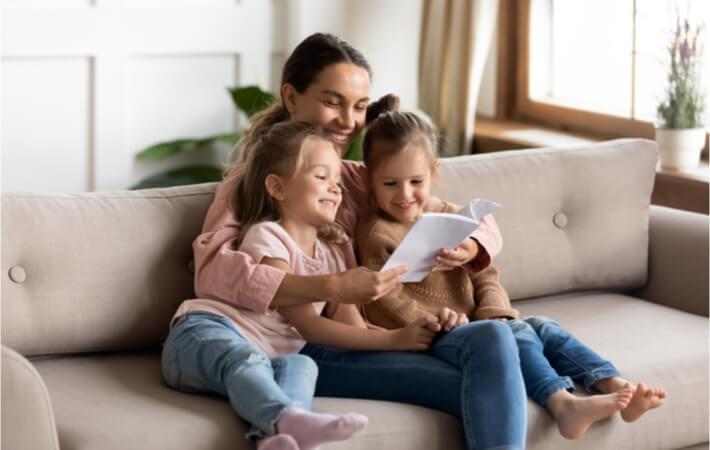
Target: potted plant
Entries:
(679, 132)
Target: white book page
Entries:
(431, 233)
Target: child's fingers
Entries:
(387, 280)
(462, 319)
(444, 314)
(452, 321)
(434, 326)
(442, 267)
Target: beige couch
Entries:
(90, 281)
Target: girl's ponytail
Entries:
(389, 102)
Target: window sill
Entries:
(686, 189)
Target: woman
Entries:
(476, 377)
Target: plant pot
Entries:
(680, 148)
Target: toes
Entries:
(641, 388)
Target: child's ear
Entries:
(437, 163)
(275, 187)
(364, 175)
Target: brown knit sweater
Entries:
(479, 295)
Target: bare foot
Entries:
(643, 400)
(575, 414)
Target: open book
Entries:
(431, 233)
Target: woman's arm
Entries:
(324, 331)
(347, 314)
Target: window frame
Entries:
(557, 116)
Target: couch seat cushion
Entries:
(119, 401)
(646, 342)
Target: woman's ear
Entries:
(274, 186)
(288, 95)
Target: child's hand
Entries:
(450, 319)
(449, 259)
(415, 336)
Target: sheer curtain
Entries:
(455, 39)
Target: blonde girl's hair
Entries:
(301, 69)
(397, 128)
(277, 151)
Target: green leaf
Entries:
(251, 99)
(163, 150)
(354, 152)
(181, 176)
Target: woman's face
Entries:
(336, 100)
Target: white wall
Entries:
(386, 32)
(86, 84)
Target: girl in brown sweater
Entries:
(400, 159)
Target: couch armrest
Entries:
(678, 260)
(27, 417)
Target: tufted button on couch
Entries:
(90, 282)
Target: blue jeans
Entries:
(472, 372)
(205, 353)
(550, 358)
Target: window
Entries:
(598, 65)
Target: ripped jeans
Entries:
(205, 353)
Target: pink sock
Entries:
(278, 442)
(311, 429)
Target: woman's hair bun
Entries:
(389, 102)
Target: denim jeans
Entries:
(472, 372)
(205, 353)
(550, 358)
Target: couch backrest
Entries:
(106, 271)
(96, 271)
(572, 218)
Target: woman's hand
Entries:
(449, 259)
(362, 285)
(450, 319)
(415, 336)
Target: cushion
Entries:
(120, 401)
(96, 271)
(573, 218)
(646, 342)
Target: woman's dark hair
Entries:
(276, 151)
(397, 128)
(302, 67)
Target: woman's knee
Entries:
(497, 334)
